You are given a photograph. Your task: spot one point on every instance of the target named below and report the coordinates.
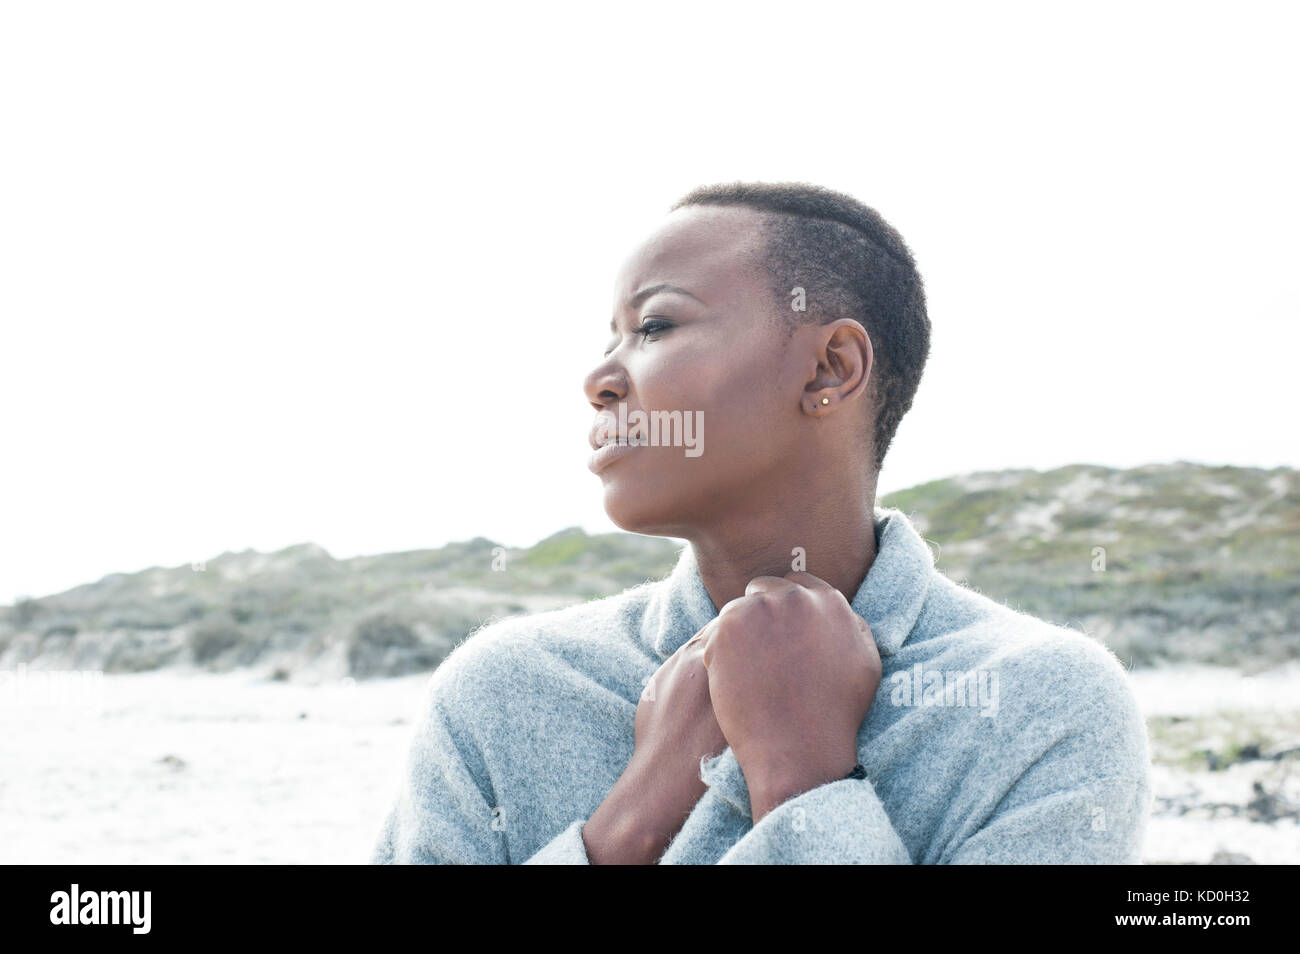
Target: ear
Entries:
(845, 360)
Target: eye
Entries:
(652, 328)
(649, 329)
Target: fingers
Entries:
(703, 640)
(807, 579)
(766, 584)
(702, 636)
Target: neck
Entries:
(832, 521)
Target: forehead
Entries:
(708, 250)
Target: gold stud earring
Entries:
(826, 400)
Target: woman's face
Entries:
(696, 330)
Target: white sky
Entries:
(276, 272)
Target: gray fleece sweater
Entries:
(994, 738)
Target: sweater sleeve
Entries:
(566, 848)
(444, 813)
(840, 823)
(1100, 821)
(1062, 778)
(1073, 765)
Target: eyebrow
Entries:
(650, 290)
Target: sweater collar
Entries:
(889, 599)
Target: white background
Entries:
(276, 272)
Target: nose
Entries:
(606, 384)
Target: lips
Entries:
(617, 439)
(608, 443)
(610, 451)
(601, 435)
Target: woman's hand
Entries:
(675, 727)
(792, 672)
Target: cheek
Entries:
(737, 413)
(739, 396)
(729, 452)
(733, 394)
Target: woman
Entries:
(805, 687)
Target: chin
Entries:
(652, 513)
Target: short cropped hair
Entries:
(850, 263)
